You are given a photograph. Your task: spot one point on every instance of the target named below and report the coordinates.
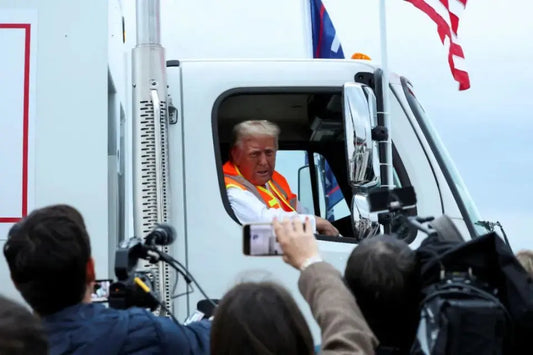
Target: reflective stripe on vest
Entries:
(282, 195)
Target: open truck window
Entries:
(311, 152)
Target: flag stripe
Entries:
(456, 7)
(455, 23)
(447, 25)
(321, 31)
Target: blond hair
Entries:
(254, 128)
(525, 257)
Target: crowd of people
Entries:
(372, 308)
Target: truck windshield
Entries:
(458, 188)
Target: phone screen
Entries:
(101, 291)
(259, 240)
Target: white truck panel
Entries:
(71, 113)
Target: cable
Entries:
(504, 235)
(490, 227)
(186, 274)
(190, 290)
(195, 282)
(146, 289)
(162, 304)
(155, 255)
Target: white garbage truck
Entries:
(131, 151)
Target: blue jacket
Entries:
(95, 329)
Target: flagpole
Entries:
(308, 23)
(387, 182)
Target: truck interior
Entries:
(311, 123)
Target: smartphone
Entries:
(100, 292)
(259, 239)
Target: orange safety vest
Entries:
(278, 194)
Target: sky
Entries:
(486, 129)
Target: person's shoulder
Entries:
(170, 336)
(140, 317)
(148, 332)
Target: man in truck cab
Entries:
(256, 192)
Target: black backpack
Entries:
(476, 297)
(460, 315)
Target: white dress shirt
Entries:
(249, 209)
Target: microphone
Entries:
(162, 234)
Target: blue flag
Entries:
(332, 189)
(325, 41)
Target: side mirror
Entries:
(364, 222)
(361, 151)
(305, 196)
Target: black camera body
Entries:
(398, 215)
(126, 292)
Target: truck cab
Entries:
(312, 101)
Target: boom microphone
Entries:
(162, 234)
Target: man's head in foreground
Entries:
(254, 149)
(49, 257)
(381, 273)
(21, 333)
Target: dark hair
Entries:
(20, 332)
(259, 318)
(381, 273)
(47, 253)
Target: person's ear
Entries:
(90, 270)
(234, 153)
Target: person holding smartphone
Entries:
(263, 318)
(256, 191)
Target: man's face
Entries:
(256, 158)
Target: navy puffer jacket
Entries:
(95, 329)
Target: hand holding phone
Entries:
(259, 239)
(298, 242)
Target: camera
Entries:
(134, 288)
(397, 212)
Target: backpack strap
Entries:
(446, 229)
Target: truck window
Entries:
(294, 165)
(311, 152)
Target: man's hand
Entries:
(298, 244)
(323, 226)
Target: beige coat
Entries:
(344, 329)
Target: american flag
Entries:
(446, 13)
